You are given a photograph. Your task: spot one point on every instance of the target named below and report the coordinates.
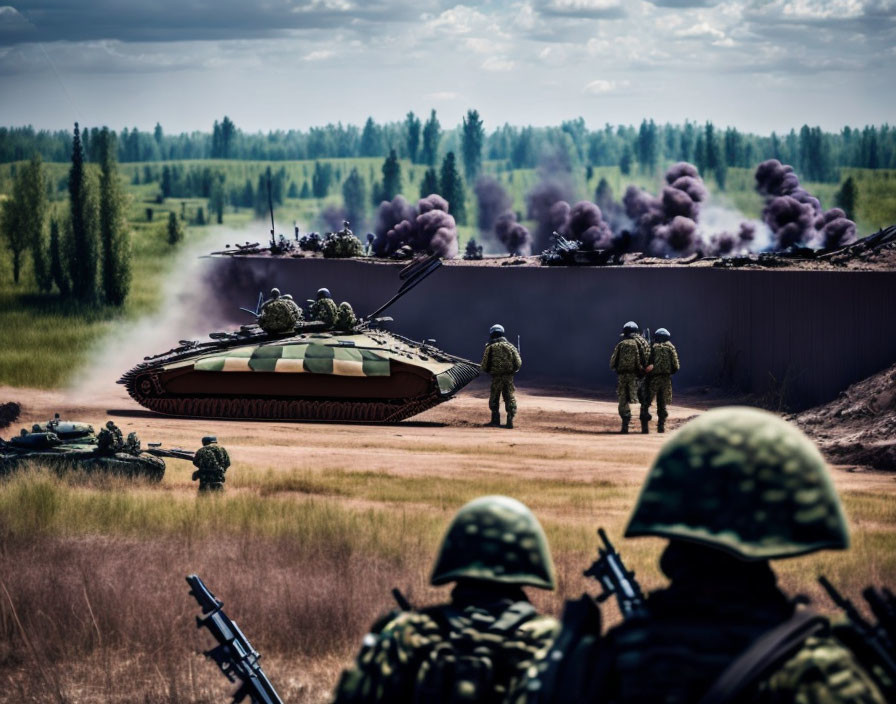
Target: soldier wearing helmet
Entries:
(663, 363)
(476, 646)
(279, 314)
(502, 360)
(211, 461)
(110, 439)
(732, 490)
(629, 361)
(325, 310)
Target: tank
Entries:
(362, 374)
(64, 445)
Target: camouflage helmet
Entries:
(208, 440)
(323, 293)
(496, 329)
(630, 326)
(744, 481)
(495, 539)
(662, 334)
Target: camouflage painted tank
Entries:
(62, 445)
(363, 374)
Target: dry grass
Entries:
(93, 606)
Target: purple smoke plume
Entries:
(585, 223)
(727, 244)
(794, 215)
(554, 185)
(428, 227)
(492, 200)
(512, 235)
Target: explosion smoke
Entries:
(555, 185)
(428, 227)
(492, 201)
(513, 236)
(794, 215)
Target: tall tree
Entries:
(473, 138)
(12, 226)
(371, 139)
(114, 239)
(58, 269)
(83, 242)
(412, 129)
(391, 177)
(354, 193)
(34, 220)
(452, 189)
(228, 131)
(431, 133)
(217, 198)
(429, 184)
(321, 179)
(625, 161)
(847, 196)
(175, 230)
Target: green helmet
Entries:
(495, 539)
(744, 481)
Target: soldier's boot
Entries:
(644, 428)
(496, 419)
(510, 420)
(661, 425)
(624, 429)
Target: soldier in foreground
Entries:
(502, 360)
(731, 491)
(629, 361)
(212, 462)
(473, 648)
(279, 314)
(663, 363)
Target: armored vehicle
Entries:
(365, 373)
(62, 445)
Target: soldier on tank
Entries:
(132, 444)
(663, 363)
(629, 361)
(110, 439)
(279, 314)
(732, 490)
(324, 309)
(212, 462)
(502, 360)
(473, 648)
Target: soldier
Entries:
(345, 317)
(473, 648)
(324, 309)
(663, 363)
(132, 444)
(643, 381)
(732, 490)
(629, 361)
(279, 314)
(502, 360)
(212, 461)
(110, 439)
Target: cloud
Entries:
(586, 9)
(684, 3)
(703, 30)
(498, 63)
(443, 96)
(602, 86)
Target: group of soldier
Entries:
(731, 491)
(644, 373)
(280, 314)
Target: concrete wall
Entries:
(814, 332)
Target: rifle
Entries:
(155, 448)
(234, 654)
(609, 570)
(872, 642)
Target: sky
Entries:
(759, 65)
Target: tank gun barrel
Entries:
(412, 278)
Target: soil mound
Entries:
(9, 413)
(860, 426)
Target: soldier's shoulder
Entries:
(823, 670)
(541, 627)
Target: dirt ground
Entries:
(560, 433)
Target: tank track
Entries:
(289, 409)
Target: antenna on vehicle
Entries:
(412, 275)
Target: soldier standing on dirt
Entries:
(502, 360)
(732, 490)
(212, 462)
(629, 361)
(475, 647)
(663, 363)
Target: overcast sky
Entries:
(760, 65)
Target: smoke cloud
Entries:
(554, 186)
(428, 227)
(492, 201)
(512, 235)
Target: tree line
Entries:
(815, 153)
(84, 252)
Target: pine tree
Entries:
(431, 133)
(34, 220)
(847, 197)
(305, 192)
(625, 161)
(371, 139)
(13, 227)
(175, 231)
(83, 242)
(320, 179)
(452, 189)
(218, 199)
(354, 194)
(412, 127)
(429, 184)
(114, 238)
(472, 140)
(58, 270)
(391, 177)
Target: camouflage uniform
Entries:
(345, 317)
(132, 444)
(731, 490)
(110, 439)
(279, 316)
(643, 381)
(502, 360)
(474, 648)
(212, 462)
(664, 358)
(628, 361)
(324, 310)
